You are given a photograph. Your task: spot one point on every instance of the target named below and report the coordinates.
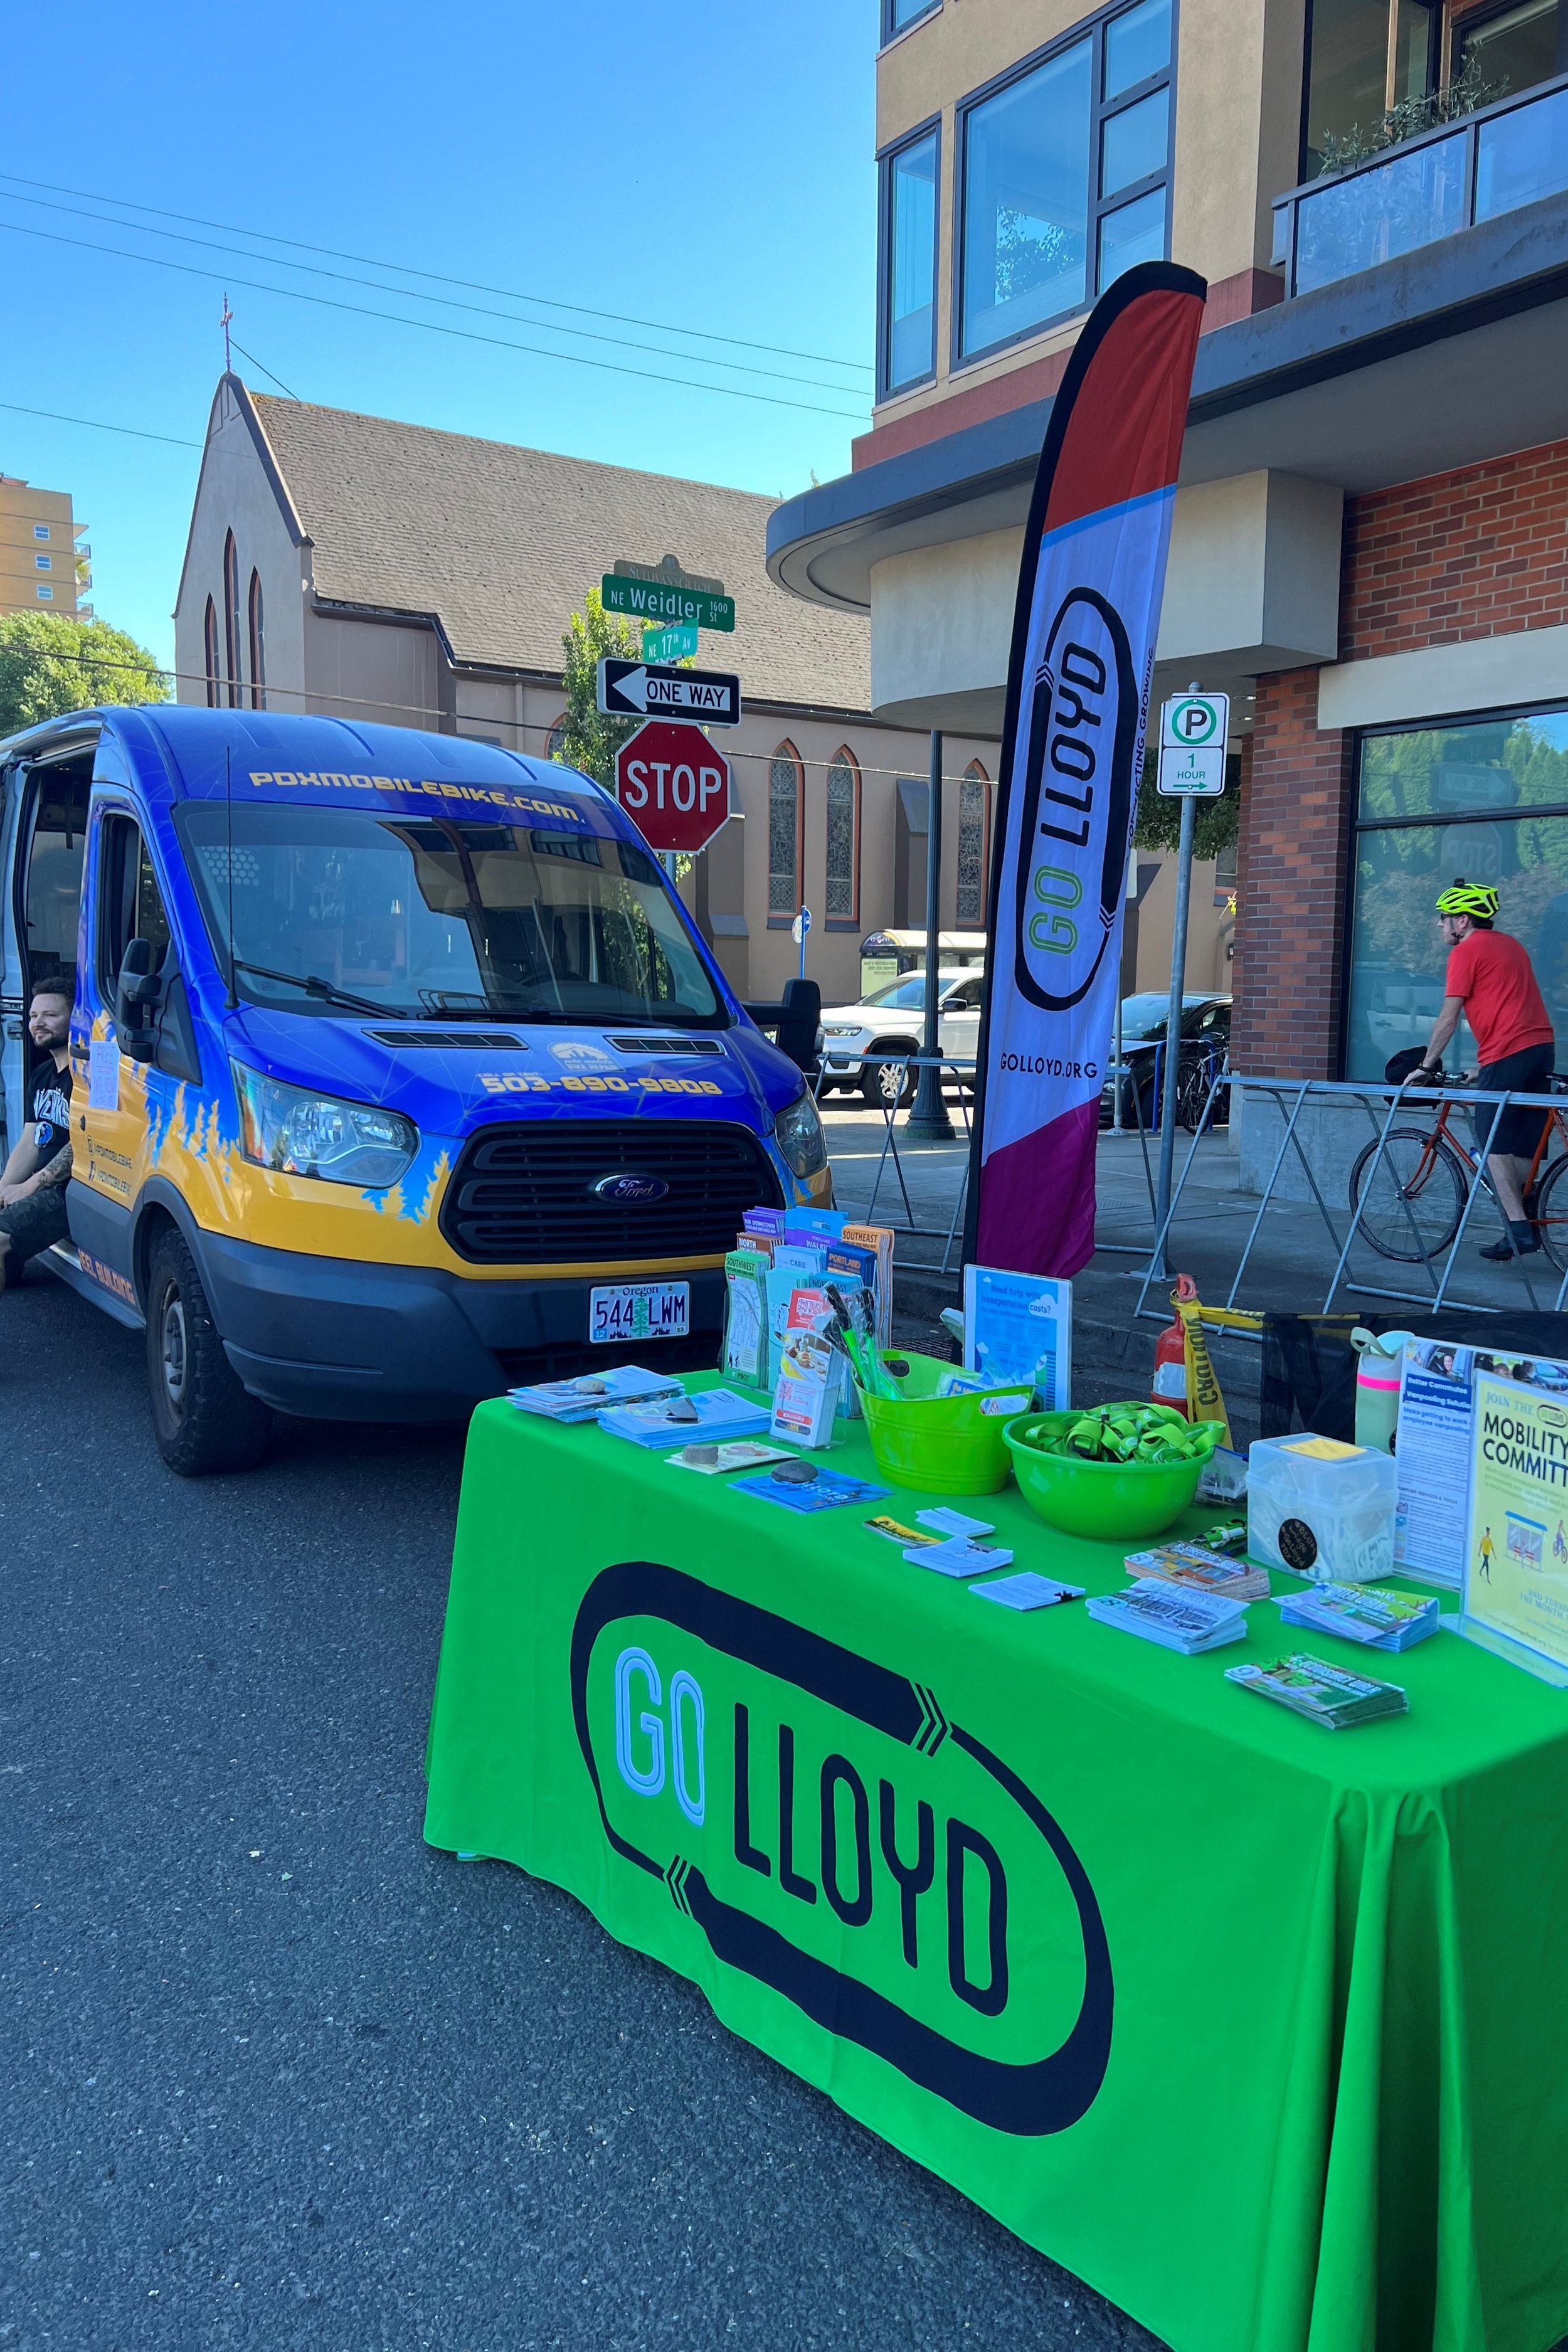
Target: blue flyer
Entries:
(1018, 1326)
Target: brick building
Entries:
(1370, 550)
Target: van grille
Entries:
(452, 1041)
(666, 1044)
(521, 1193)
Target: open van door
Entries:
(43, 840)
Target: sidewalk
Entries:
(1289, 1269)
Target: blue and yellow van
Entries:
(399, 1072)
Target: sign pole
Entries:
(1174, 1028)
(927, 1120)
(1194, 731)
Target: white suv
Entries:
(891, 1020)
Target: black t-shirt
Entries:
(51, 1111)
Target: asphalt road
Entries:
(276, 2074)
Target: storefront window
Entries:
(1488, 801)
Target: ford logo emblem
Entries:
(624, 1189)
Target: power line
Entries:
(428, 710)
(412, 294)
(96, 424)
(429, 326)
(437, 278)
(267, 371)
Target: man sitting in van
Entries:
(33, 1182)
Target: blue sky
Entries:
(705, 165)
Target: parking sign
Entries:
(1194, 728)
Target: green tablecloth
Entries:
(1259, 2028)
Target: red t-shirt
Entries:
(1503, 1006)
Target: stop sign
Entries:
(673, 785)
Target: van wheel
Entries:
(203, 1419)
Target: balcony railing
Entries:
(1491, 162)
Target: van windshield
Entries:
(427, 916)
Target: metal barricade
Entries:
(1384, 1104)
(962, 1070)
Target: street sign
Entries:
(629, 689)
(801, 925)
(651, 600)
(674, 785)
(677, 644)
(1193, 731)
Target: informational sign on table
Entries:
(1436, 1423)
(1516, 1553)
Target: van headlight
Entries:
(302, 1134)
(797, 1131)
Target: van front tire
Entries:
(202, 1417)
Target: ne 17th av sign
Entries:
(673, 785)
(630, 689)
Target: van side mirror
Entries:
(137, 994)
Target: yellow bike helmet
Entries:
(1476, 900)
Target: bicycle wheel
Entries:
(1414, 1195)
(1552, 1213)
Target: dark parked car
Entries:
(1206, 1036)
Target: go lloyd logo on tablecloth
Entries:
(827, 1793)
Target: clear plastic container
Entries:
(1321, 1508)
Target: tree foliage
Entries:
(51, 664)
(1215, 823)
(589, 741)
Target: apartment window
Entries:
(1066, 176)
(257, 625)
(1513, 47)
(1365, 56)
(46, 595)
(785, 780)
(974, 830)
(231, 618)
(210, 654)
(843, 838)
(40, 530)
(1488, 801)
(897, 13)
(909, 264)
(44, 563)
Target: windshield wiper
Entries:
(324, 988)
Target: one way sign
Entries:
(629, 689)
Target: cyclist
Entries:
(1491, 982)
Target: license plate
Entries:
(639, 1310)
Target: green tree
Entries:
(51, 664)
(589, 741)
(1215, 823)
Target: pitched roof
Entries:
(502, 544)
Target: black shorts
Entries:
(1519, 1130)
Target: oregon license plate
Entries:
(639, 1310)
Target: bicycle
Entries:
(1423, 1176)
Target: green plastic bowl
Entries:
(1111, 1500)
(945, 1445)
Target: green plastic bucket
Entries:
(945, 1445)
(1110, 1500)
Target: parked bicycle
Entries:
(1417, 1181)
